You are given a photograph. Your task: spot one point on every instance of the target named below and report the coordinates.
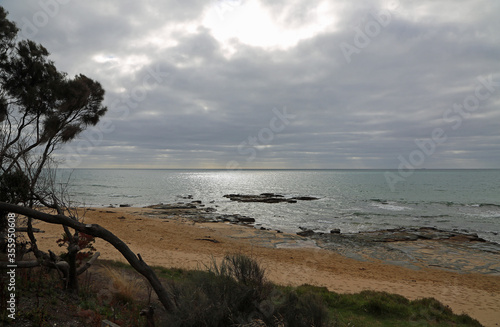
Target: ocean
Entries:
(350, 200)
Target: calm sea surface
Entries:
(352, 200)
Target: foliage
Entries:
(221, 296)
(228, 293)
(200, 298)
(85, 241)
(40, 109)
(14, 187)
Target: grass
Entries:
(124, 286)
(232, 292)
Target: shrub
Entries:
(227, 294)
(304, 310)
(385, 304)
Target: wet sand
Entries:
(288, 259)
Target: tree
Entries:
(41, 108)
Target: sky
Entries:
(310, 84)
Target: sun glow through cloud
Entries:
(253, 24)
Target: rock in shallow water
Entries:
(267, 198)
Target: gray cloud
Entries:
(205, 108)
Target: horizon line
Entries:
(243, 169)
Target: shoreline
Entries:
(178, 241)
(405, 246)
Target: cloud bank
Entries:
(281, 84)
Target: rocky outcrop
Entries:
(197, 212)
(422, 233)
(306, 232)
(267, 198)
(397, 235)
(415, 248)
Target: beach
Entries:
(288, 259)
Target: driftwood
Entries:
(97, 231)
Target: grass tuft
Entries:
(124, 287)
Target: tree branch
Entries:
(87, 264)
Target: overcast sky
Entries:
(280, 84)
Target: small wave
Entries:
(377, 214)
(434, 216)
(390, 207)
(489, 205)
(102, 185)
(124, 196)
(488, 215)
(475, 205)
(324, 222)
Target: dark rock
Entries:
(245, 219)
(305, 198)
(178, 205)
(265, 198)
(306, 233)
(124, 205)
(335, 231)
(415, 234)
(271, 195)
(196, 202)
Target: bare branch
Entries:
(87, 264)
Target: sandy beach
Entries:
(288, 259)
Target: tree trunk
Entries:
(72, 284)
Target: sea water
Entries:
(351, 200)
